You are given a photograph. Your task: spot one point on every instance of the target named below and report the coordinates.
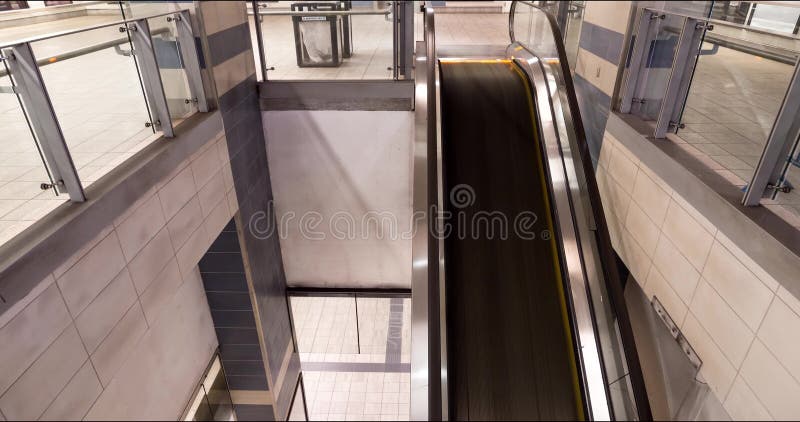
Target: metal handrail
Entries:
(86, 29)
(763, 48)
(726, 23)
(602, 238)
(29, 86)
(428, 400)
(84, 51)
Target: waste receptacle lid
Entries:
(317, 6)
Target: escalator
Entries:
(505, 297)
(518, 312)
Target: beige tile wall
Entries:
(743, 325)
(607, 14)
(122, 329)
(600, 72)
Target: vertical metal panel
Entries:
(405, 53)
(680, 77)
(637, 65)
(151, 76)
(191, 61)
(260, 38)
(781, 138)
(395, 39)
(32, 91)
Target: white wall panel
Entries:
(348, 166)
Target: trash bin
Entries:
(318, 39)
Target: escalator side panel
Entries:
(510, 350)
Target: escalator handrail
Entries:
(602, 237)
(428, 380)
(437, 404)
(439, 381)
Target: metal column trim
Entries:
(151, 76)
(405, 53)
(781, 138)
(259, 39)
(638, 63)
(32, 90)
(680, 76)
(191, 60)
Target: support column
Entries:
(230, 59)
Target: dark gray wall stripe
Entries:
(240, 351)
(237, 94)
(253, 412)
(222, 262)
(247, 149)
(361, 104)
(229, 301)
(229, 42)
(356, 367)
(222, 282)
(594, 105)
(231, 319)
(380, 89)
(337, 95)
(247, 382)
(222, 271)
(602, 42)
(244, 133)
(237, 335)
(244, 368)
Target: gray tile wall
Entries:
(741, 321)
(225, 282)
(230, 54)
(253, 412)
(685, 244)
(120, 328)
(105, 315)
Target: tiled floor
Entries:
(372, 44)
(98, 100)
(467, 28)
(100, 106)
(102, 111)
(341, 383)
(371, 57)
(732, 105)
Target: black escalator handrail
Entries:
(605, 249)
(436, 382)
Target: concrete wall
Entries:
(732, 305)
(741, 321)
(352, 168)
(102, 308)
(121, 329)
